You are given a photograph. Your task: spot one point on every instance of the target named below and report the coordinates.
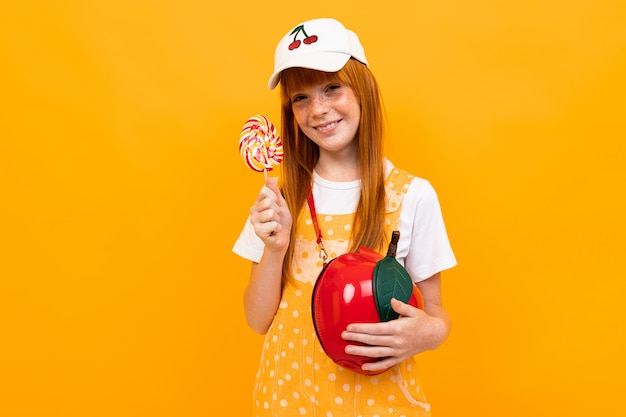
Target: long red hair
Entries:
(301, 154)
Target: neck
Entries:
(338, 169)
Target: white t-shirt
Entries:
(423, 249)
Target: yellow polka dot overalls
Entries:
(295, 377)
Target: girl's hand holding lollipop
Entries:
(261, 148)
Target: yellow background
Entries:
(122, 192)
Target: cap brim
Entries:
(320, 61)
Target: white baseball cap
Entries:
(319, 44)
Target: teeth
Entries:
(326, 127)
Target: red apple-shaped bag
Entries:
(357, 287)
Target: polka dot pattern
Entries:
(295, 376)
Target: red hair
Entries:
(301, 154)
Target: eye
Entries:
(297, 98)
(333, 87)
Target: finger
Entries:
(369, 338)
(369, 351)
(269, 190)
(268, 194)
(263, 212)
(267, 228)
(380, 329)
(266, 200)
(260, 215)
(380, 365)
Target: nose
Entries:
(319, 105)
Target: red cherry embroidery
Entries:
(296, 42)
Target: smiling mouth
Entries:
(326, 127)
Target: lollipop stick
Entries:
(265, 173)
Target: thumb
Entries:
(272, 184)
(403, 309)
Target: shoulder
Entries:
(416, 188)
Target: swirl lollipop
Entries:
(260, 145)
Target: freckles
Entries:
(299, 122)
(299, 117)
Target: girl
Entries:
(332, 130)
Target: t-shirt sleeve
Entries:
(248, 245)
(424, 248)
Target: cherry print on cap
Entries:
(296, 42)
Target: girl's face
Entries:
(328, 113)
